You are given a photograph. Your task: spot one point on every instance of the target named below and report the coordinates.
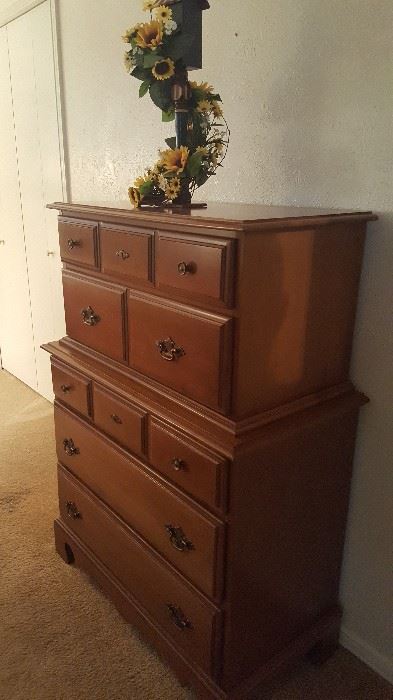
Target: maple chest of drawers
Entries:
(205, 426)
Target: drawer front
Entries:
(194, 469)
(94, 314)
(123, 422)
(190, 540)
(78, 242)
(188, 620)
(72, 388)
(195, 267)
(126, 254)
(187, 351)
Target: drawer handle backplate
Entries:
(72, 510)
(178, 464)
(184, 268)
(169, 350)
(116, 418)
(69, 447)
(90, 318)
(178, 617)
(178, 539)
(66, 388)
(122, 254)
(72, 243)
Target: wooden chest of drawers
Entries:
(205, 427)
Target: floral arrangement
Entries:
(156, 58)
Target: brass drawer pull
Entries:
(116, 419)
(69, 447)
(89, 318)
(184, 268)
(66, 388)
(177, 464)
(122, 254)
(72, 510)
(169, 350)
(73, 244)
(178, 539)
(178, 617)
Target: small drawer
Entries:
(126, 254)
(190, 621)
(186, 349)
(78, 242)
(190, 539)
(194, 469)
(94, 314)
(72, 388)
(124, 422)
(195, 267)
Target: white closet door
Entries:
(32, 71)
(16, 331)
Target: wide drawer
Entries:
(190, 539)
(201, 268)
(187, 350)
(197, 471)
(94, 314)
(126, 254)
(72, 388)
(124, 422)
(78, 242)
(189, 621)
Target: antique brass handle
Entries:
(184, 268)
(177, 464)
(178, 539)
(72, 510)
(178, 617)
(66, 388)
(169, 350)
(116, 419)
(122, 254)
(72, 243)
(69, 447)
(89, 318)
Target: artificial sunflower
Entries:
(217, 111)
(135, 197)
(174, 159)
(148, 5)
(203, 87)
(163, 13)
(149, 35)
(173, 188)
(140, 181)
(162, 70)
(204, 106)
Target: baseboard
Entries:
(378, 662)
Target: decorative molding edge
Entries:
(374, 659)
(16, 9)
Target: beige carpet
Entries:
(60, 639)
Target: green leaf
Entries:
(144, 88)
(194, 164)
(141, 73)
(160, 93)
(151, 59)
(146, 188)
(171, 143)
(168, 116)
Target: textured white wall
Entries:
(307, 90)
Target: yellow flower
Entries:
(175, 160)
(140, 181)
(162, 70)
(148, 5)
(128, 62)
(128, 34)
(149, 35)
(203, 149)
(217, 111)
(163, 13)
(135, 197)
(219, 147)
(203, 87)
(173, 188)
(204, 106)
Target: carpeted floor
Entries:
(60, 639)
